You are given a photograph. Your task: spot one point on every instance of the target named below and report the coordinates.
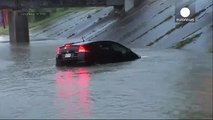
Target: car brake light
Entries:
(82, 49)
(58, 51)
(66, 46)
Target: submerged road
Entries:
(162, 84)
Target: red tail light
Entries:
(58, 51)
(67, 46)
(82, 49)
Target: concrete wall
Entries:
(115, 2)
(128, 5)
(18, 28)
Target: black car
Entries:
(93, 52)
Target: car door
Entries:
(100, 52)
(111, 52)
(122, 53)
(104, 52)
(119, 52)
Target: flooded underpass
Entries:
(164, 83)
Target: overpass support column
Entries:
(128, 4)
(18, 28)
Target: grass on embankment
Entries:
(186, 41)
(4, 31)
(53, 16)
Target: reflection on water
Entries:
(20, 52)
(73, 93)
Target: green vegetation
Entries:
(98, 10)
(211, 50)
(54, 13)
(4, 31)
(186, 41)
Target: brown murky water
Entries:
(162, 84)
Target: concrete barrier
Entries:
(128, 5)
(18, 28)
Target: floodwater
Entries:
(162, 84)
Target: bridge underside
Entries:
(18, 25)
(19, 4)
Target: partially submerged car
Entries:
(93, 52)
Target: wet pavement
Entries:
(162, 84)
